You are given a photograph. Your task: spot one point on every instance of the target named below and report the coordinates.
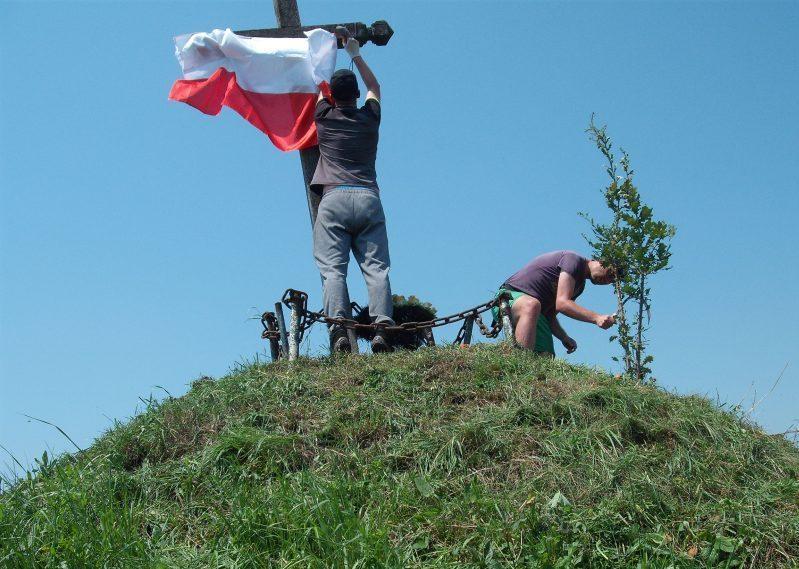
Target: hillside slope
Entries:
(446, 457)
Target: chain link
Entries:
(493, 332)
(269, 322)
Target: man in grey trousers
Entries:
(350, 216)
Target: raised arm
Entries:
(369, 79)
(565, 304)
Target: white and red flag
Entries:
(271, 82)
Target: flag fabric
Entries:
(272, 82)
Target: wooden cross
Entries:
(288, 20)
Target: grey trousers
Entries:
(351, 218)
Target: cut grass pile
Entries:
(445, 457)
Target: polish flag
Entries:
(272, 82)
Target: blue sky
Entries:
(139, 237)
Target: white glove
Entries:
(353, 48)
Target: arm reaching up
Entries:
(369, 79)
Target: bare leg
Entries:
(525, 313)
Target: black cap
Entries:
(344, 85)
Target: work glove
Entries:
(353, 48)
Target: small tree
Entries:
(637, 246)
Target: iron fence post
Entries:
(468, 325)
(507, 324)
(274, 346)
(353, 337)
(281, 327)
(294, 330)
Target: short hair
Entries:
(344, 85)
(618, 270)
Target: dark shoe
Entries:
(380, 343)
(339, 341)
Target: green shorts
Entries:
(543, 334)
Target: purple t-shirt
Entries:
(539, 278)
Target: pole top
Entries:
(378, 33)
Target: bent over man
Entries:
(546, 286)
(350, 216)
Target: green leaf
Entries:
(421, 543)
(726, 544)
(558, 500)
(423, 486)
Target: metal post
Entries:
(468, 325)
(274, 346)
(507, 324)
(294, 331)
(429, 339)
(281, 327)
(353, 337)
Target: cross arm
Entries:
(378, 33)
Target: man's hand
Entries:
(605, 321)
(569, 344)
(353, 48)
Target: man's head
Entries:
(344, 87)
(600, 273)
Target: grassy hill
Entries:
(446, 457)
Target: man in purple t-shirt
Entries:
(547, 285)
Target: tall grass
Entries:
(486, 457)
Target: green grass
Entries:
(447, 457)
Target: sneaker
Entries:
(380, 343)
(339, 341)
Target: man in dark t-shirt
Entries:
(350, 216)
(348, 138)
(550, 284)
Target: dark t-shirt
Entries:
(539, 278)
(347, 144)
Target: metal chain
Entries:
(309, 317)
(493, 332)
